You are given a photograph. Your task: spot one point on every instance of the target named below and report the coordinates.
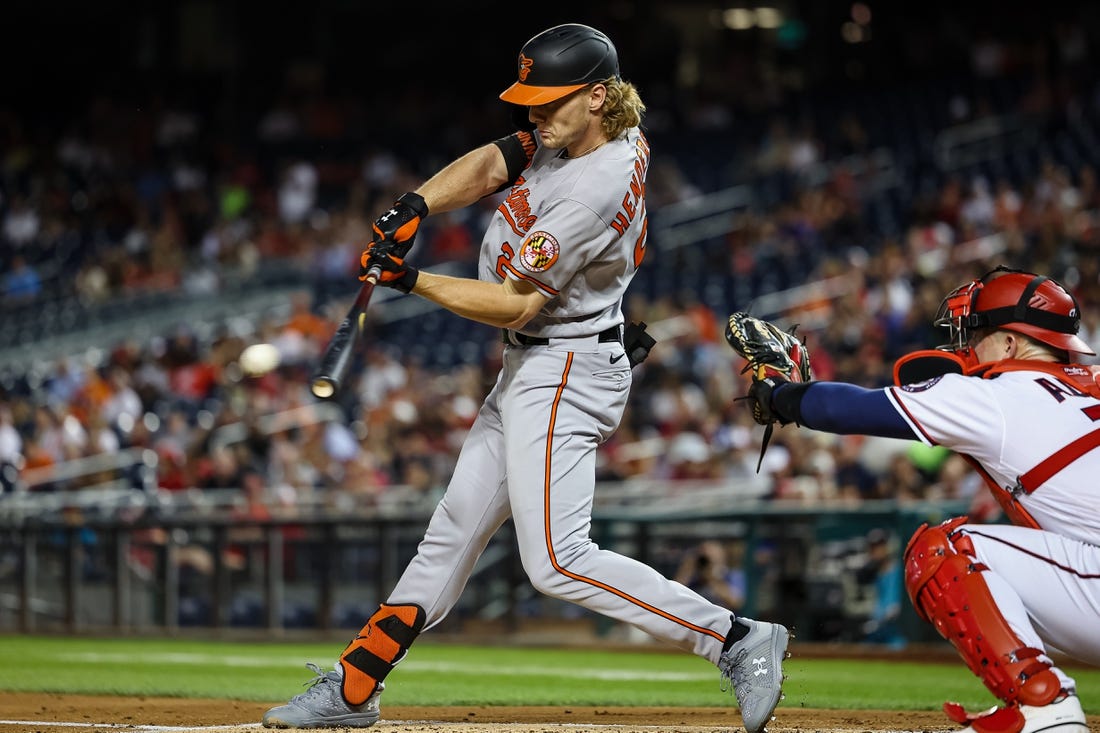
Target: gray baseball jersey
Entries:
(576, 229)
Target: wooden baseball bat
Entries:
(336, 361)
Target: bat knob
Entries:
(323, 387)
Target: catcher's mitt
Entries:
(770, 351)
(774, 356)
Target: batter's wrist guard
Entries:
(415, 202)
(407, 280)
(380, 645)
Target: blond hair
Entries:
(622, 108)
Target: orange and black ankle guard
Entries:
(379, 646)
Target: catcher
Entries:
(1006, 394)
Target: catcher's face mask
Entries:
(955, 315)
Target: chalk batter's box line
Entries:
(382, 724)
(129, 726)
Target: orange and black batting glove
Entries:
(398, 226)
(391, 271)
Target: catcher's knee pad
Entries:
(944, 581)
(380, 645)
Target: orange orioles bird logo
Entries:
(539, 252)
(525, 65)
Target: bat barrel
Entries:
(334, 367)
(324, 387)
(336, 362)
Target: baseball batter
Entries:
(1008, 397)
(555, 263)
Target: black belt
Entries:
(611, 334)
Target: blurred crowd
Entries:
(394, 439)
(120, 202)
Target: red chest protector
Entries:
(1084, 379)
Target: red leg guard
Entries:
(379, 646)
(945, 584)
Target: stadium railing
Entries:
(321, 570)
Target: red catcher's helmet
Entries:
(1014, 300)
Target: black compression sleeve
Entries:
(515, 157)
(787, 400)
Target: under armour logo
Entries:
(760, 668)
(388, 214)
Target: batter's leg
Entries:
(472, 509)
(561, 407)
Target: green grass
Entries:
(443, 674)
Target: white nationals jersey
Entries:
(576, 229)
(1010, 425)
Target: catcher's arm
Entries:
(774, 357)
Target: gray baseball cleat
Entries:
(323, 705)
(753, 667)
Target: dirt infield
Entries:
(34, 713)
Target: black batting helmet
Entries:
(561, 60)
